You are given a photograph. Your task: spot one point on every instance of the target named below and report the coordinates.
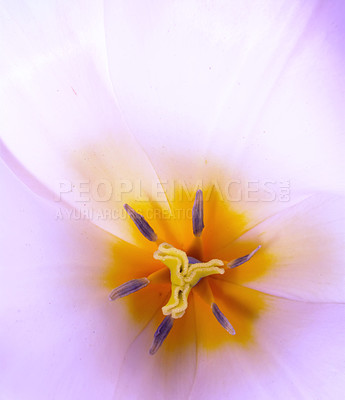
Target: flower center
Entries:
(182, 272)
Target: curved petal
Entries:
(162, 77)
(257, 87)
(169, 374)
(59, 333)
(302, 254)
(59, 115)
(296, 352)
(172, 67)
(286, 121)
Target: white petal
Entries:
(295, 351)
(302, 254)
(284, 120)
(60, 117)
(162, 77)
(257, 87)
(60, 336)
(168, 374)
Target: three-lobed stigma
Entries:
(185, 273)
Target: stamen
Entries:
(221, 318)
(141, 224)
(198, 214)
(241, 260)
(161, 333)
(128, 288)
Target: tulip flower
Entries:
(184, 160)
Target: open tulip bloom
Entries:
(172, 200)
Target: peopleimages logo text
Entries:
(103, 190)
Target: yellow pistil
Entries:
(183, 275)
